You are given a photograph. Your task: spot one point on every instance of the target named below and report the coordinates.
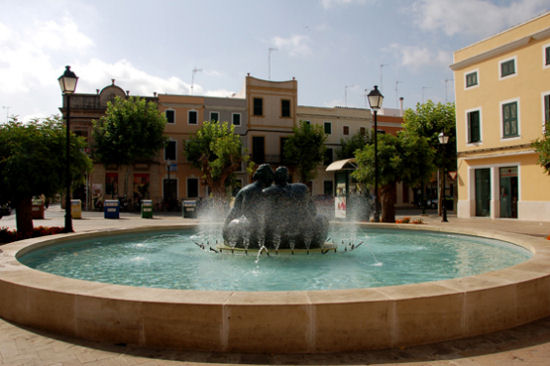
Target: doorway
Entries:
(508, 183)
(483, 191)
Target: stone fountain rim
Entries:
(11, 270)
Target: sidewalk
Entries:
(528, 344)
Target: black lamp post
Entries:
(67, 82)
(375, 101)
(443, 140)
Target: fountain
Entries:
(307, 320)
(274, 216)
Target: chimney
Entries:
(401, 105)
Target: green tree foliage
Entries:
(350, 145)
(542, 147)
(305, 149)
(217, 151)
(400, 159)
(131, 131)
(32, 163)
(430, 119)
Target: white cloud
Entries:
(296, 45)
(98, 73)
(327, 4)
(224, 93)
(474, 17)
(416, 56)
(26, 53)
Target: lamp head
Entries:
(443, 139)
(67, 81)
(375, 98)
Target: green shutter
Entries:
(507, 68)
(471, 79)
(474, 127)
(547, 106)
(510, 119)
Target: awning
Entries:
(346, 164)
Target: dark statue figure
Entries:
(279, 216)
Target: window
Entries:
(258, 151)
(346, 130)
(170, 116)
(285, 108)
(471, 79)
(192, 117)
(507, 68)
(170, 151)
(362, 131)
(510, 119)
(328, 156)
(236, 119)
(474, 127)
(192, 187)
(546, 56)
(214, 116)
(258, 107)
(546, 109)
(328, 128)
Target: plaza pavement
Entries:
(527, 345)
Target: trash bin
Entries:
(76, 209)
(111, 209)
(37, 208)
(190, 209)
(146, 209)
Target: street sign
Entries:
(453, 175)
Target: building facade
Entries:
(502, 88)
(263, 114)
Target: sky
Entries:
(336, 49)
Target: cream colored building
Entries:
(502, 88)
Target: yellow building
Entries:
(502, 88)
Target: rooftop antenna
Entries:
(195, 70)
(397, 82)
(269, 50)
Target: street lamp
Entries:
(443, 140)
(67, 82)
(375, 101)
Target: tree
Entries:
(542, 147)
(131, 131)
(305, 149)
(32, 161)
(428, 120)
(349, 146)
(217, 151)
(400, 159)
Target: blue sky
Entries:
(334, 48)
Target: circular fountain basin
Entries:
(276, 321)
(354, 258)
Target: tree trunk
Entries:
(23, 216)
(388, 198)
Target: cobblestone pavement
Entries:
(527, 345)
